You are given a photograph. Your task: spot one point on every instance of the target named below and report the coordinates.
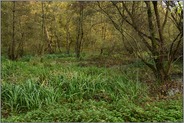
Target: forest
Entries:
(91, 61)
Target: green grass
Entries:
(55, 88)
(27, 96)
(101, 111)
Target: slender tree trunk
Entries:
(58, 43)
(79, 31)
(20, 49)
(67, 39)
(12, 55)
(49, 40)
(43, 30)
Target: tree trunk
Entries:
(67, 39)
(58, 43)
(11, 53)
(21, 46)
(79, 31)
(43, 29)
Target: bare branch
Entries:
(171, 47)
(177, 46)
(148, 64)
(134, 25)
(151, 27)
(114, 23)
(123, 17)
(158, 24)
(165, 19)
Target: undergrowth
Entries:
(53, 88)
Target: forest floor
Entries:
(59, 88)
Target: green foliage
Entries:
(26, 96)
(70, 82)
(60, 55)
(26, 58)
(101, 111)
(46, 91)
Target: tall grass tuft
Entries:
(26, 96)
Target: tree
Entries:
(11, 52)
(156, 41)
(79, 29)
